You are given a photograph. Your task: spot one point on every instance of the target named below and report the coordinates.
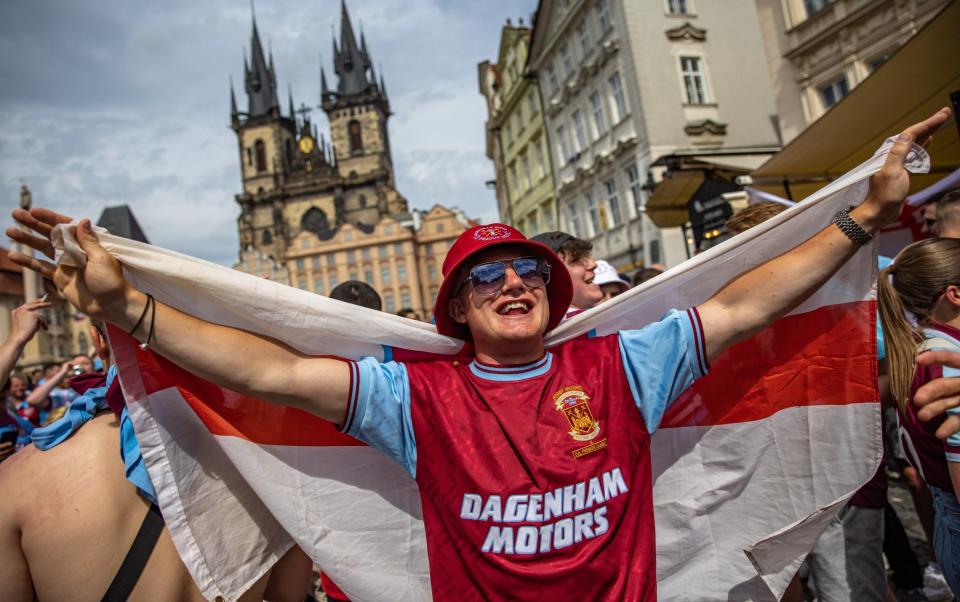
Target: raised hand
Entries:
(889, 186)
(98, 289)
(26, 320)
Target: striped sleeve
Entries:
(661, 360)
(378, 410)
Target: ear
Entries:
(952, 295)
(100, 344)
(457, 311)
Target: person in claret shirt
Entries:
(533, 465)
(919, 300)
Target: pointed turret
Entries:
(324, 89)
(293, 114)
(349, 62)
(260, 78)
(234, 114)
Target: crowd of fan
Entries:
(839, 566)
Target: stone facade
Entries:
(819, 50)
(628, 84)
(523, 168)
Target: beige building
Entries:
(636, 93)
(315, 213)
(819, 50)
(516, 139)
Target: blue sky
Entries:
(113, 102)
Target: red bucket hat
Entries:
(479, 238)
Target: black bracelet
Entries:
(153, 321)
(850, 227)
(146, 306)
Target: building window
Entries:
(383, 251)
(300, 264)
(384, 274)
(302, 283)
(356, 137)
(583, 33)
(351, 256)
(594, 212)
(365, 253)
(260, 150)
(655, 251)
(333, 280)
(250, 157)
(541, 161)
(613, 202)
(677, 7)
(814, 6)
(315, 262)
(389, 302)
(404, 298)
(513, 177)
(398, 249)
(633, 183)
(579, 130)
(331, 260)
(552, 78)
(603, 15)
(694, 83)
(566, 57)
(368, 277)
(519, 119)
(363, 201)
(598, 120)
(318, 285)
(440, 227)
(507, 133)
(353, 275)
(564, 145)
(833, 92)
(876, 62)
(619, 101)
(527, 180)
(532, 103)
(401, 272)
(574, 217)
(548, 211)
(431, 272)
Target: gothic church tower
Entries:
(293, 179)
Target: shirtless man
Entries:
(69, 517)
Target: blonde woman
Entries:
(919, 299)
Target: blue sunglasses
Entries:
(488, 278)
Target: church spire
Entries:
(260, 78)
(234, 114)
(293, 115)
(350, 63)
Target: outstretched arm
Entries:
(238, 360)
(755, 299)
(39, 395)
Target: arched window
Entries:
(267, 238)
(363, 201)
(260, 150)
(356, 139)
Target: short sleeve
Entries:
(378, 410)
(661, 360)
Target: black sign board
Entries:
(706, 216)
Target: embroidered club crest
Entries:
(493, 232)
(573, 402)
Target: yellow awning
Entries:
(912, 85)
(667, 206)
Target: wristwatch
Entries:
(851, 228)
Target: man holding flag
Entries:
(533, 465)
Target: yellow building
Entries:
(515, 126)
(316, 213)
